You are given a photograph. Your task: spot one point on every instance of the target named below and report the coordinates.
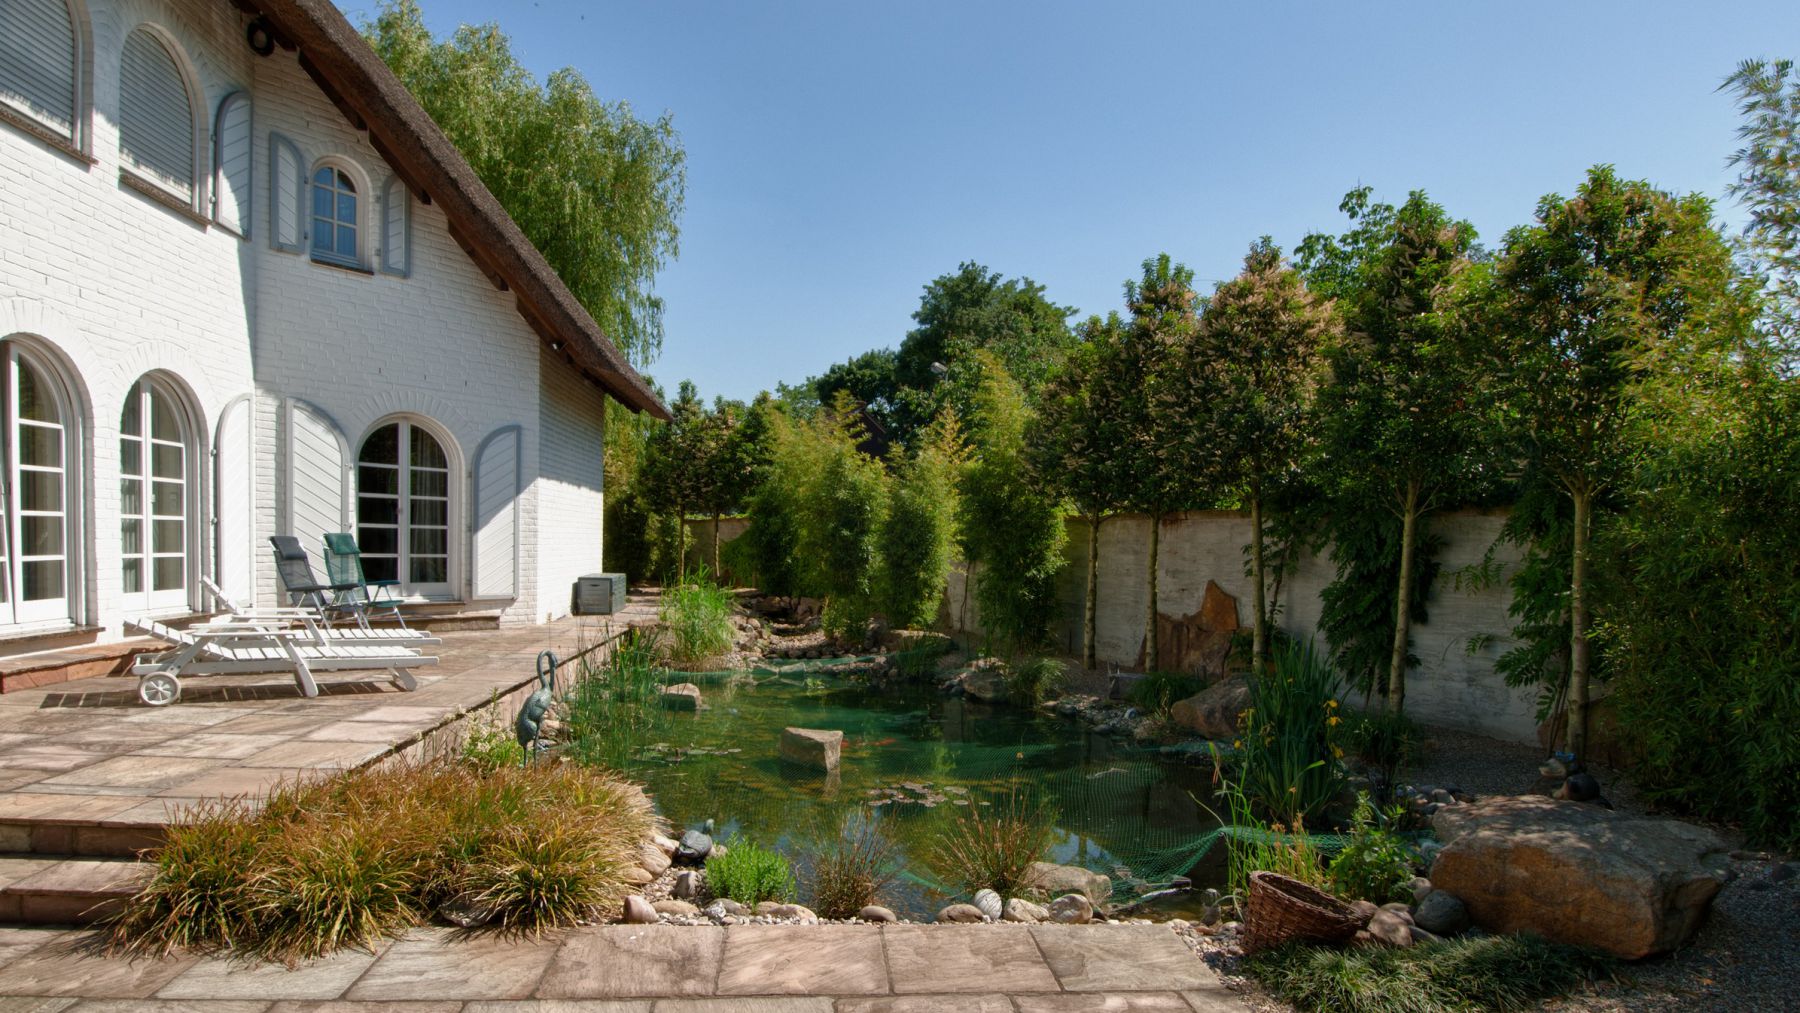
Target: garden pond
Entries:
(913, 757)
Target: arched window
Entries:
(156, 497)
(40, 471)
(37, 62)
(403, 508)
(334, 216)
(156, 115)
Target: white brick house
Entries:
(247, 288)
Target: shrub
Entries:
(490, 746)
(1288, 764)
(347, 862)
(1389, 741)
(1029, 681)
(1467, 975)
(749, 873)
(918, 535)
(697, 614)
(1157, 692)
(851, 874)
(1376, 864)
(992, 846)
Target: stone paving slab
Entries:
(965, 958)
(1109, 958)
(803, 960)
(635, 961)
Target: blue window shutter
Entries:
(37, 61)
(396, 228)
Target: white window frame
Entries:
(149, 599)
(364, 200)
(448, 589)
(16, 614)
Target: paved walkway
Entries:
(87, 757)
(651, 969)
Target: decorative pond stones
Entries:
(815, 748)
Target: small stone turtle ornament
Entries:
(528, 727)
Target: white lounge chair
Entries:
(236, 647)
(313, 621)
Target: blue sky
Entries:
(842, 154)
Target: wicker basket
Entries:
(1283, 909)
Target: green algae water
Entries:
(912, 759)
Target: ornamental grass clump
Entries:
(323, 865)
(1288, 759)
(749, 873)
(1468, 975)
(697, 614)
(991, 847)
(851, 873)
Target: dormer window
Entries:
(334, 217)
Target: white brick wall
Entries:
(118, 285)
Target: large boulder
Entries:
(1052, 880)
(1213, 712)
(985, 680)
(682, 696)
(812, 747)
(1577, 873)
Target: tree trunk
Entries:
(1150, 645)
(715, 549)
(1409, 536)
(1576, 734)
(1259, 630)
(1090, 619)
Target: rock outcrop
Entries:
(1213, 712)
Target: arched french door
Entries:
(156, 498)
(403, 496)
(39, 475)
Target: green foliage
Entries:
(1288, 762)
(844, 505)
(1011, 531)
(851, 873)
(1158, 691)
(918, 535)
(490, 745)
(1030, 680)
(749, 873)
(697, 615)
(1699, 587)
(1255, 845)
(1357, 607)
(1768, 186)
(1376, 864)
(693, 464)
(1390, 740)
(351, 861)
(776, 507)
(641, 542)
(992, 846)
(614, 706)
(1472, 975)
(598, 191)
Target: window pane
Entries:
(35, 401)
(40, 536)
(430, 483)
(430, 512)
(132, 420)
(321, 202)
(383, 445)
(377, 541)
(387, 568)
(322, 175)
(165, 461)
(40, 446)
(131, 457)
(169, 573)
(322, 233)
(346, 208)
(41, 580)
(131, 497)
(131, 534)
(165, 499)
(167, 536)
(375, 478)
(134, 576)
(40, 490)
(163, 423)
(428, 541)
(346, 241)
(343, 182)
(425, 451)
(429, 571)
(377, 510)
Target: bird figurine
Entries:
(529, 725)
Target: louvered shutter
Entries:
(318, 476)
(396, 228)
(37, 61)
(234, 513)
(231, 164)
(156, 119)
(285, 184)
(496, 526)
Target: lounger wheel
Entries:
(159, 690)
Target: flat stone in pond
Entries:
(682, 696)
(816, 748)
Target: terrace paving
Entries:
(650, 969)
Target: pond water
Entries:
(913, 758)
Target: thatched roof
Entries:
(373, 99)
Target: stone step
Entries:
(46, 668)
(119, 839)
(51, 890)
